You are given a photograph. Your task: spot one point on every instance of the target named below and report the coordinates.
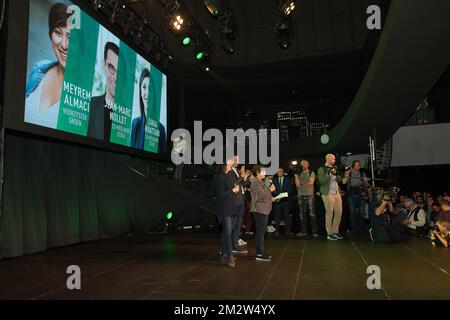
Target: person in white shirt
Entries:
(416, 217)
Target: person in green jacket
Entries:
(331, 195)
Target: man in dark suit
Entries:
(102, 106)
(283, 183)
(240, 203)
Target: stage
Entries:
(186, 266)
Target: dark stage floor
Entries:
(185, 266)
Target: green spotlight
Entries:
(169, 215)
(200, 55)
(186, 41)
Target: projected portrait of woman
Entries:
(44, 86)
(138, 124)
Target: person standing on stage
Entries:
(240, 202)
(282, 183)
(180, 149)
(331, 195)
(225, 192)
(305, 187)
(357, 184)
(260, 207)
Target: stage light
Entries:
(294, 163)
(200, 55)
(177, 22)
(207, 69)
(97, 4)
(187, 41)
(215, 7)
(286, 7)
(227, 44)
(285, 32)
(168, 222)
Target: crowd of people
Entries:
(251, 202)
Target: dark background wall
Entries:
(58, 194)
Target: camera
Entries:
(333, 171)
(390, 194)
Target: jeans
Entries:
(237, 225)
(282, 209)
(261, 221)
(333, 212)
(306, 205)
(357, 205)
(386, 234)
(227, 228)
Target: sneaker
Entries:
(301, 234)
(371, 236)
(240, 251)
(315, 235)
(263, 257)
(332, 237)
(268, 255)
(338, 236)
(242, 242)
(271, 228)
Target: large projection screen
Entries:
(75, 80)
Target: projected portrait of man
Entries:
(102, 106)
(44, 86)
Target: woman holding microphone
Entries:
(261, 206)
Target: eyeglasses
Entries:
(111, 69)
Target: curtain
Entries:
(57, 194)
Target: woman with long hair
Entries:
(139, 123)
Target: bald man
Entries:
(331, 196)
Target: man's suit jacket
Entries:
(286, 187)
(226, 198)
(237, 180)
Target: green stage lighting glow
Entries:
(186, 41)
(169, 215)
(200, 55)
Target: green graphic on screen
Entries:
(123, 104)
(78, 77)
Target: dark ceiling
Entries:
(321, 27)
(318, 68)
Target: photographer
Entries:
(384, 228)
(331, 195)
(357, 184)
(441, 234)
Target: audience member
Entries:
(444, 213)
(416, 219)
(441, 237)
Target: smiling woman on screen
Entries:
(44, 86)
